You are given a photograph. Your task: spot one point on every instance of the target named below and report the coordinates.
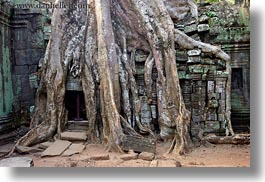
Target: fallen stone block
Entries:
(45, 145)
(74, 136)
(138, 144)
(130, 156)
(17, 162)
(56, 149)
(146, 156)
(74, 149)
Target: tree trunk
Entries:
(238, 139)
(97, 45)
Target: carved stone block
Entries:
(194, 52)
(203, 27)
(73, 84)
(181, 56)
(138, 144)
(212, 127)
(211, 117)
(190, 28)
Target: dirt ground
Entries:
(213, 156)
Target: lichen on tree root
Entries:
(99, 39)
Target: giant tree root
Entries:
(238, 139)
(95, 44)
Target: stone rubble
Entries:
(56, 149)
(17, 162)
(74, 149)
(146, 156)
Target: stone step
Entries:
(77, 125)
(82, 123)
(74, 149)
(74, 136)
(56, 149)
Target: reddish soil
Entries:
(214, 156)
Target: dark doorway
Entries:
(240, 114)
(237, 79)
(75, 104)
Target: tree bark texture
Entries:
(98, 46)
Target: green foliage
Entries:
(211, 14)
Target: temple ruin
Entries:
(24, 34)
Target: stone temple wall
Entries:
(25, 32)
(23, 42)
(230, 29)
(28, 46)
(227, 26)
(6, 86)
(203, 78)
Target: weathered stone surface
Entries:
(22, 58)
(45, 145)
(221, 117)
(138, 144)
(33, 81)
(203, 18)
(194, 52)
(203, 27)
(23, 87)
(27, 50)
(74, 149)
(146, 156)
(181, 56)
(140, 56)
(100, 157)
(8, 137)
(27, 150)
(130, 156)
(213, 103)
(74, 136)
(5, 148)
(57, 148)
(17, 162)
(182, 74)
(212, 127)
(73, 84)
(22, 46)
(190, 28)
(146, 116)
(22, 70)
(78, 125)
